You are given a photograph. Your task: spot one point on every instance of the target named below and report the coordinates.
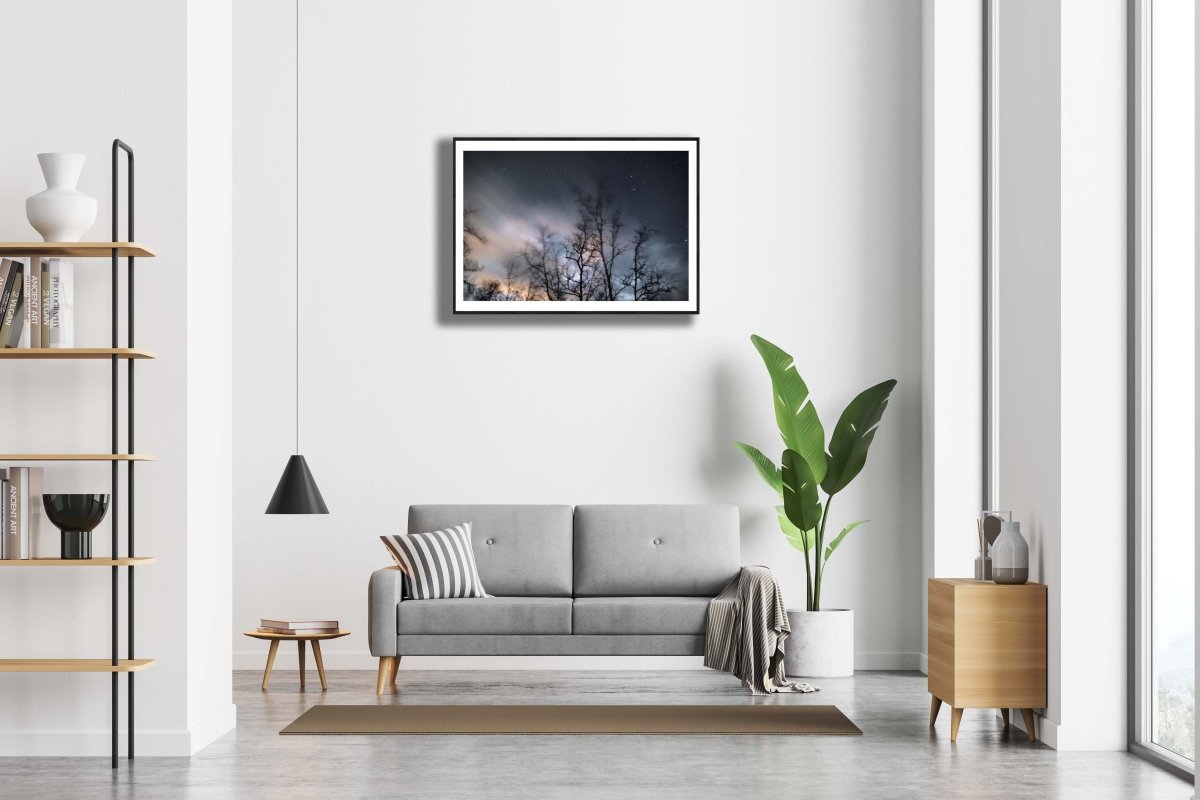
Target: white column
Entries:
(952, 292)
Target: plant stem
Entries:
(808, 582)
(820, 567)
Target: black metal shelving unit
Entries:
(116, 354)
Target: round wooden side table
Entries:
(299, 638)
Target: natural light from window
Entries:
(1173, 359)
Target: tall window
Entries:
(1164, 236)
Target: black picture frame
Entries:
(671, 287)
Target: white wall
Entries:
(809, 116)
(1062, 268)
(92, 72)
(1028, 149)
(952, 288)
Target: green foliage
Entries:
(801, 540)
(795, 414)
(853, 436)
(801, 500)
(807, 466)
(766, 467)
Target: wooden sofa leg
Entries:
(387, 672)
(395, 669)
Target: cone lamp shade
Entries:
(297, 492)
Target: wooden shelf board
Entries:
(74, 664)
(76, 249)
(22, 457)
(127, 561)
(83, 353)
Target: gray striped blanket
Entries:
(747, 631)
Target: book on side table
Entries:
(297, 627)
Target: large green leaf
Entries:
(766, 467)
(829, 548)
(795, 414)
(853, 436)
(801, 502)
(801, 540)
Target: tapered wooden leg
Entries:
(1004, 713)
(395, 668)
(270, 662)
(1027, 715)
(935, 705)
(300, 646)
(316, 646)
(955, 719)
(385, 671)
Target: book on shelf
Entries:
(5, 488)
(62, 302)
(7, 265)
(44, 283)
(25, 514)
(11, 300)
(31, 322)
(37, 302)
(297, 631)
(293, 626)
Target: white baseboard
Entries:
(923, 664)
(363, 660)
(148, 744)
(886, 660)
(213, 728)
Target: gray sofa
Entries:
(593, 580)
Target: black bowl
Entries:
(75, 512)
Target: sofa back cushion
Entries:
(654, 550)
(520, 551)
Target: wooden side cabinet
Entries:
(987, 648)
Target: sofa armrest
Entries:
(385, 591)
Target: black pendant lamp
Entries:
(297, 491)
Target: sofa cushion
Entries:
(438, 564)
(519, 550)
(654, 550)
(503, 616)
(639, 615)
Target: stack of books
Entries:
(37, 302)
(22, 532)
(298, 628)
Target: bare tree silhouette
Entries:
(644, 279)
(600, 217)
(581, 278)
(596, 262)
(489, 289)
(543, 266)
(470, 265)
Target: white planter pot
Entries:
(821, 644)
(61, 213)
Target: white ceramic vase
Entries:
(821, 644)
(1010, 555)
(61, 213)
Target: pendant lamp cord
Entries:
(297, 227)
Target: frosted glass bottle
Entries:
(1010, 555)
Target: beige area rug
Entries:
(583, 720)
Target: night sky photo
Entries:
(575, 225)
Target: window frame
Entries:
(1141, 424)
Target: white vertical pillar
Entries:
(210, 710)
(1093, 541)
(952, 277)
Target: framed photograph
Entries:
(576, 226)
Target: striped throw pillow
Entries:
(439, 564)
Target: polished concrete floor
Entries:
(898, 756)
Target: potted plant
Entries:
(822, 639)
